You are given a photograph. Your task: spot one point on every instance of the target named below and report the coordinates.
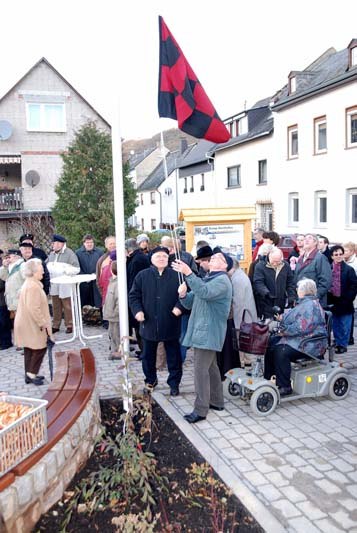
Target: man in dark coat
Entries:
(88, 256)
(153, 300)
(341, 295)
(27, 253)
(273, 284)
(136, 261)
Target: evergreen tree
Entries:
(85, 199)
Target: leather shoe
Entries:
(69, 329)
(55, 330)
(340, 349)
(285, 391)
(193, 417)
(174, 391)
(216, 408)
(35, 381)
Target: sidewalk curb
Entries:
(261, 514)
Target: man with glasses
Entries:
(341, 295)
(210, 302)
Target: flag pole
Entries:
(119, 219)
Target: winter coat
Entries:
(111, 304)
(32, 317)
(305, 321)
(343, 305)
(317, 268)
(62, 263)
(352, 262)
(156, 295)
(98, 269)
(39, 253)
(210, 302)
(88, 261)
(14, 280)
(273, 287)
(135, 263)
(242, 297)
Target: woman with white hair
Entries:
(305, 321)
(32, 321)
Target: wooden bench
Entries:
(67, 396)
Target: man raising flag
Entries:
(181, 96)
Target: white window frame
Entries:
(292, 85)
(291, 130)
(152, 197)
(141, 199)
(192, 188)
(293, 197)
(351, 193)
(153, 224)
(243, 125)
(352, 111)
(262, 164)
(354, 56)
(317, 123)
(202, 188)
(238, 184)
(43, 126)
(319, 195)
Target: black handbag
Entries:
(253, 337)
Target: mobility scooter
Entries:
(310, 377)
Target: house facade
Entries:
(315, 155)
(38, 119)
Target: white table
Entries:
(75, 282)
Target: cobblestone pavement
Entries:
(299, 463)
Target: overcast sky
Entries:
(108, 50)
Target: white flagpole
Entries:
(121, 256)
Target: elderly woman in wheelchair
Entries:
(302, 334)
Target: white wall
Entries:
(334, 171)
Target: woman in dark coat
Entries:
(273, 284)
(341, 295)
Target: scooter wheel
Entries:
(340, 387)
(264, 401)
(234, 389)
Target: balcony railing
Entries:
(11, 199)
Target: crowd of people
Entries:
(177, 301)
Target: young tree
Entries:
(85, 200)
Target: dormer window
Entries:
(352, 54)
(292, 84)
(354, 57)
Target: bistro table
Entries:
(75, 282)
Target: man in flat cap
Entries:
(61, 261)
(153, 300)
(36, 252)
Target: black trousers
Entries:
(174, 362)
(5, 328)
(33, 359)
(277, 362)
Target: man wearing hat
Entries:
(204, 254)
(210, 302)
(61, 261)
(11, 273)
(153, 302)
(26, 250)
(36, 252)
(143, 242)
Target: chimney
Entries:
(183, 145)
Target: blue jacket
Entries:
(305, 321)
(210, 303)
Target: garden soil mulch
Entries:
(175, 455)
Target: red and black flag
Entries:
(181, 96)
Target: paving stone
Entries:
(220, 443)
(310, 510)
(327, 486)
(277, 479)
(337, 477)
(287, 509)
(342, 466)
(256, 478)
(231, 453)
(270, 493)
(288, 471)
(295, 460)
(294, 495)
(263, 467)
(327, 526)
(352, 489)
(242, 465)
(348, 503)
(303, 525)
(311, 471)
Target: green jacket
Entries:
(210, 303)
